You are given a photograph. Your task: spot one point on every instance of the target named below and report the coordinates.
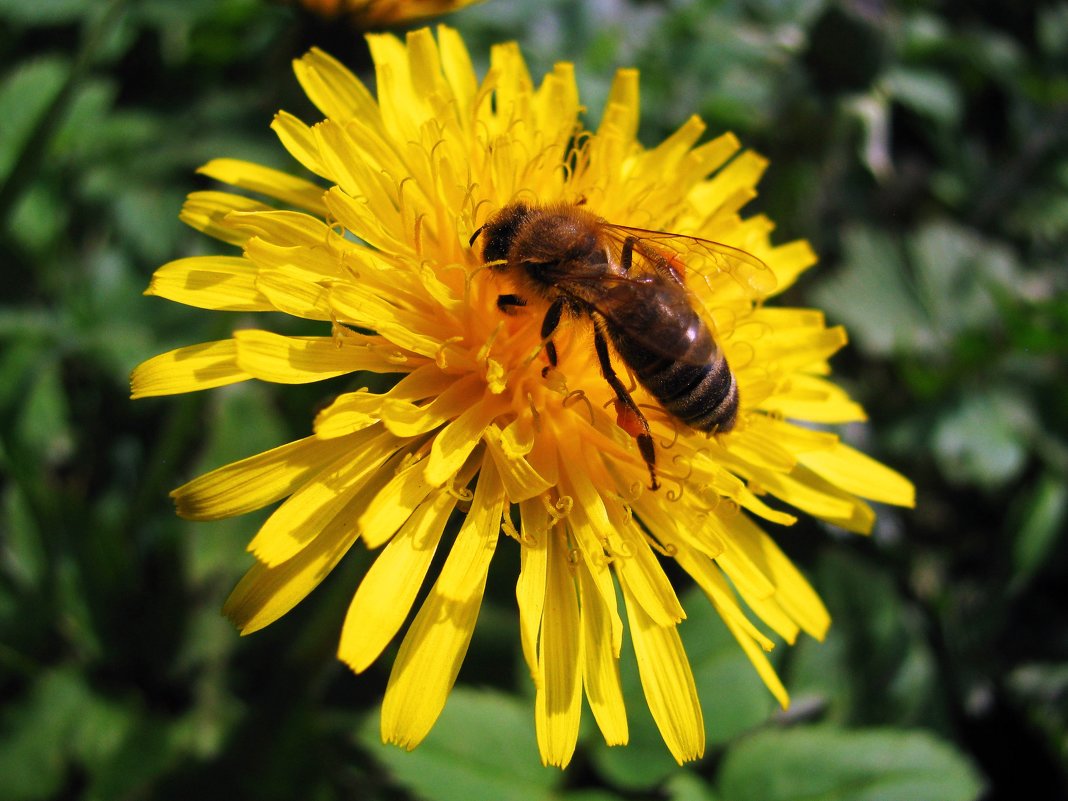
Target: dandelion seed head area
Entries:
(379, 252)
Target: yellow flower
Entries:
(382, 260)
(378, 13)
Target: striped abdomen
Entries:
(702, 394)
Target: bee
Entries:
(631, 283)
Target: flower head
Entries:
(376, 13)
(383, 260)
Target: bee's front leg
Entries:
(549, 325)
(509, 303)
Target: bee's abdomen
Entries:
(703, 396)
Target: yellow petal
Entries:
(299, 140)
(400, 327)
(557, 703)
(588, 523)
(622, 110)
(265, 593)
(351, 412)
(280, 231)
(811, 398)
(817, 497)
(530, 588)
(210, 212)
(634, 563)
(457, 67)
(521, 480)
(752, 641)
(600, 667)
(454, 443)
(389, 589)
(332, 88)
(308, 510)
(667, 682)
(789, 261)
(222, 283)
(861, 475)
(188, 369)
(393, 505)
(267, 181)
(252, 483)
(429, 658)
(792, 592)
(299, 360)
(407, 419)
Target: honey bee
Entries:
(631, 283)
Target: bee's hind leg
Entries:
(630, 417)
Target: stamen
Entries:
(579, 394)
(508, 528)
(439, 356)
(737, 363)
(666, 549)
(624, 551)
(682, 459)
(484, 351)
(674, 439)
(762, 325)
(558, 511)
(536, 414)
(671, 494)
(603, 558)
(417, 235)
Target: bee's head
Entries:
(499, 233)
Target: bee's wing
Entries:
(692, 255)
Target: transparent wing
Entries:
(687, 255)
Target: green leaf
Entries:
(483, 746)
(242, 421)
(982, 440)
(44, 420)
(870, 295)
(39, 731)
(956, 272)
(733, 697)
(811, 763)
(925, 92)
(44, 12)
(25, 92)
(688, 786)
(23, 557)
(1041, 528)
(590, 795)
(874, 666)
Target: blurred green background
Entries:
(922, 147)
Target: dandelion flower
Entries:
(379, 257)
(378, 13)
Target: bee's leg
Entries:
(548, 325)
(626, 253)
(631, 418)
(673, 266)
(508, 303)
